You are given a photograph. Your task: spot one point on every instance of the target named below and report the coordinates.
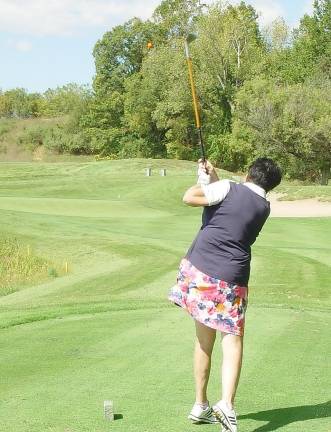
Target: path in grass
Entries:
(106, 331)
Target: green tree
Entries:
(312, 46)
(65, 99)
(229, 51)
(124, 109)
(311, 51)
(18, 103)
(158, 104)
(278, 62)
(277, 35)
(118, 55)
(290, 123)
(176, 18)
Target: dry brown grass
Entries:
(19, 266)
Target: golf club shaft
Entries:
(195, 102)
(194, 95)
(202, 147)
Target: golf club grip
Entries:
(194, 95)
(202, 147)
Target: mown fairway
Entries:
(106, 331)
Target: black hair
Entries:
(266, 173)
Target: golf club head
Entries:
(191, 37)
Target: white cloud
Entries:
(307, 8)
(268, 10)
(23, 45)
(67, 17)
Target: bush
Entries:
(229, 152)
(177, 150)
(58, 139)
(32, 137)
(134, 147)
(5, 127)
(104, 142)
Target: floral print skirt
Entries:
(213, 302)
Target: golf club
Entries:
(190, 38)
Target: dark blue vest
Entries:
(222, 248)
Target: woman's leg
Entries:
(205, 338)
(232, 347)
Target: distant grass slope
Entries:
(106, 330)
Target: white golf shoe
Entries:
(226, 416)
(201, 415)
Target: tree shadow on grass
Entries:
(280, 417)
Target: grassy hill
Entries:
(105, 330)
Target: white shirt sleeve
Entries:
(216, 192)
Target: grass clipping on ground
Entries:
(20, 266)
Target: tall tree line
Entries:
(263, 92)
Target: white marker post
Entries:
(108, 410)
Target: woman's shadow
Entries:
(283, 416)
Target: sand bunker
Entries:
(299, 208)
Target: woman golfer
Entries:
(212, 282)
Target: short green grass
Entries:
(106, 331)
(292, 191)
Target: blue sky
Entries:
(49, 43)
